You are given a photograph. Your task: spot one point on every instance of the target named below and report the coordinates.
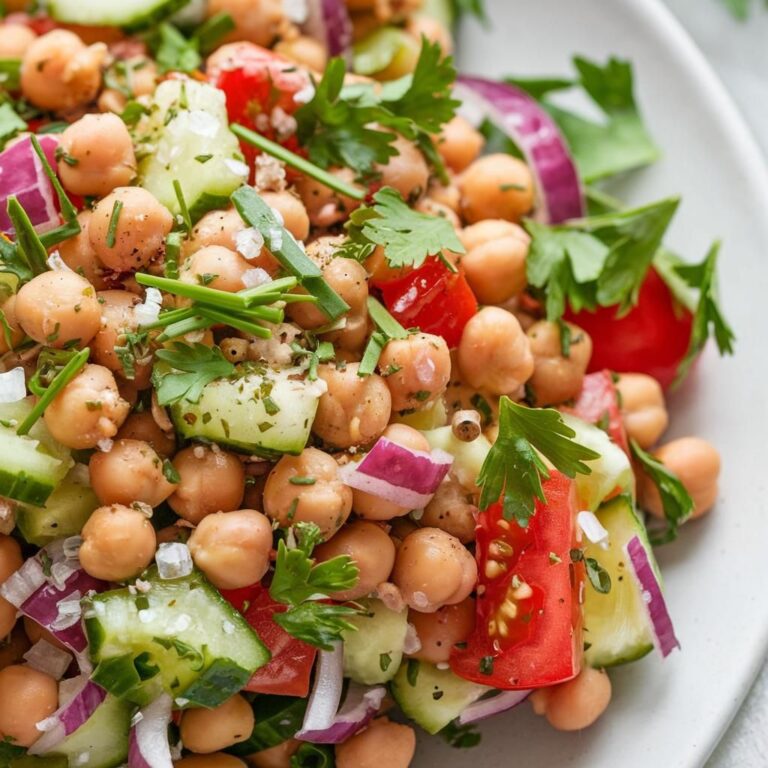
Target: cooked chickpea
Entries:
(355, 410)
(381, 745)
(142, 426)
(36, 632)
(26, 697)
(416, 369)
(216, 760)
(117, 318)
(58, 308)
(372, 507)
(305, 51)
(494, 353)
(440, 631)
(557, 377)
(78, 254)
(433, 569)
(496, 269)
(232, 548)
(697, 463)
(406, 171)
(211, 481)
(130, 471)
(496, 187)
(209, 730)
(215, 267)
(16, 336)
(96, 155)
(452, 510)
(15, 39)
(434, 30)
(327, 502)
(294, 214)
(13, 647)
(372, 551)
(87, 410)
(325, 206)
(446, 194)
(118, 543)
(576, 704)
(139, 236)
(10, 562)
(642, 408)
(257, 21)
(434, 208)
(275, 757)
(459, 144)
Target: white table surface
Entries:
(739, 53)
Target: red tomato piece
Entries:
(433, 299)
(528, 629)
(652, 338)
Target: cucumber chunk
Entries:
(372, 655)
(129, 14)
(433, 697)
(616, 623)
(468, 458)
(180, 636)
(186, 138)
(265, 412)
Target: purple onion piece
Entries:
(485, 708)
(148, 744)
(328, 21)
(324, 699)
(359, 708)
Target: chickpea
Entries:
(327, 502)
(36, 632)
(118, 543)
(642, 408)
(131, 471)
(496, 269)
(494, 353)
(232, 548)
(117, 318)
(257, 21)
(87, 410)
(416, 369)
(434, 208)
(26, 697)
(78, 254)
(142, 426)
(275, 757)
(10, 562)
(374, 507)
(433, 29)
(215, 267)
(305, 51)
(58, 308)
(292, 210)
(15, 39)
(433, 569)
(406, 171)
(211, 481)
(576, 704)
(697, 463)
(459, 144)
(381, 745)
(440, 631)
(16, 336)
(487, 231)
(446, 194)
(378, 266)
(209, 730)
(372, 551)
(325, 206)
(216, 760)
(142, 226)
(496, 187)
(355, 410)
(452, 510)
(557, 378)
(13, 647)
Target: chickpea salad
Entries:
(332, 386)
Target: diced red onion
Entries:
(652, 597)
(22, 174)
(359, 708)
(527, 123)
(398, 474)
(328, 21)
(149, 310)
(485, 708)
(326, 691)
(174, 560)
(48, 658)
(149, 746)
(69, 717)
(593, 529)
(22, 584)
(13, 386)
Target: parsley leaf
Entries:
(598, 577)
(201, 366)
(739, 8)
(513, 468)
(675, 499)
(10, 122)
(474, 8)
(460, 736)
(708, 315)
(174, 52)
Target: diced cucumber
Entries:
(278, 718)
(386, 47)
(468, 458)
(180, 636)
(186, 138)
(372, 655)
(433, 697)
(616, 623)
(32, 465)
(611, 473)
(64, 514)
(432, 417)
(129, 14)
(263, 411)
(32, 761)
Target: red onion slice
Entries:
(527, 123)
(328, 21)
(326, 691)
(48, 659)
(22, 174)
(398, 474)
(485, 708)
(652, 597)
(149, 746)
(359, 708)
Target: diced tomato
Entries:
(431, 298)
(528, 629)
(651, 338)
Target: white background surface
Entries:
(739, 53)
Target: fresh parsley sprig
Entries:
(513, 470)
(176, 53)
(187, 370)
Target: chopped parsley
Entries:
(597, 575)
(194, 367)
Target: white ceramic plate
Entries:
(668, 714)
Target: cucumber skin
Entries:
(162, 11)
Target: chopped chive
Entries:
(270, 406)
(299, 298)
(209, 34)
(211, 296)
(203, 158)
(67, 373)
(183, 327)
(172, 253)
(28, 243)
(372, 353)
(235, 321)
(298, 480)
(113, 222)
(182, 205)
(171, 316)
(384, 321)
(68, 211)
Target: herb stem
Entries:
(182, 327)
(171, 316)
(235, 321)
(211, 296)
(28, 243)
(182, 205)
(113, 222)
(172, 253)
